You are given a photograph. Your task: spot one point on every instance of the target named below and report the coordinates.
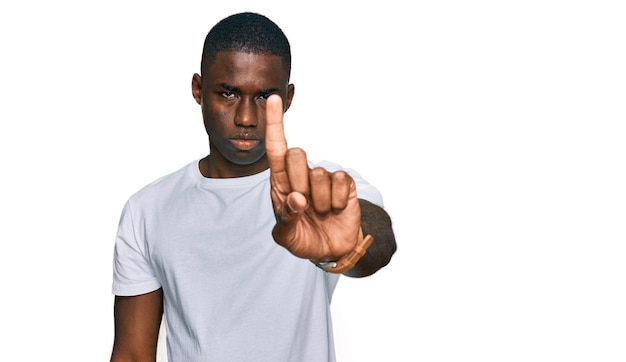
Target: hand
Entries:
(317, 212)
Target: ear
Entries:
(196, 87)
(291, 89)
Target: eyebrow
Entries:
(267, 91)
(228, 87)
(264, 92)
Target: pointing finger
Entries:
(275, 142)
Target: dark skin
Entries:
(243, 97)
(137, 322)
(318, 214)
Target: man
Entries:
(241, 250)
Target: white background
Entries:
(494, 129)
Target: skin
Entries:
(232, 94)
(318, 214)
(243, 97)
(137, 321)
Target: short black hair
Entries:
(246, 32)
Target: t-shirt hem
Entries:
(137, 289)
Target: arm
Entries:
(318, 214)
(376, 222)
(137, 321)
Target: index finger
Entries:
(275, 141)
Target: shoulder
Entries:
(166, 185)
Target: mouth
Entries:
(245, 142)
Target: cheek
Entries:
(217, 117)
(214, 105)
(260, 129)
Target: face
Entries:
(232, 93)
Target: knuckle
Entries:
(341, 177)
(295, 153)
(319, 173)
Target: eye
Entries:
(264, 95)
(228, 94)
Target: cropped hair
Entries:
(246, 32)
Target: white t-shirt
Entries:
(230, 292)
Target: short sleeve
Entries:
(132, 271)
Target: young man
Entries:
(241, 250)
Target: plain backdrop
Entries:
(494, 129)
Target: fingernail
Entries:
(291, 209)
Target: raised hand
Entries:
(317, 212)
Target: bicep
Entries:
(137, 322)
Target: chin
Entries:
(249, 160)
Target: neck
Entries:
(211, 167)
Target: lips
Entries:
(245, 142)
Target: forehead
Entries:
(235, 67)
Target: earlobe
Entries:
(196, 87)
(291, 89)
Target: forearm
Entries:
(376, 222)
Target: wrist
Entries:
(349, 260)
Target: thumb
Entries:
(293, 208)
(287, 218)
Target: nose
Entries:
(246, 115)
